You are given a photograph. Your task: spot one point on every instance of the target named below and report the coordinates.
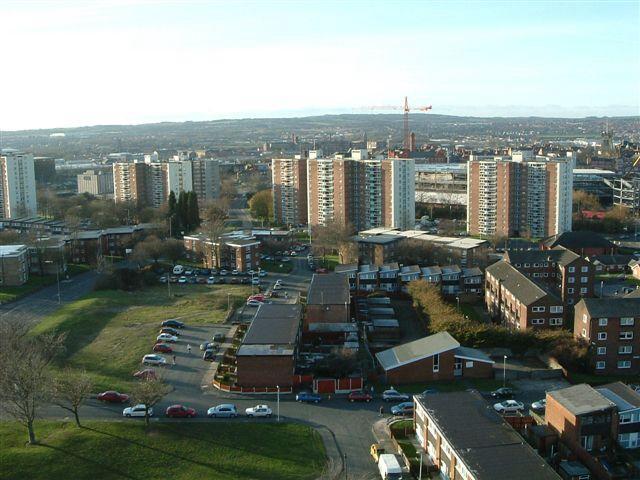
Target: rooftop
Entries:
(521, 286)
(558, 255)
(581, 399)
(417, 350)
(578, 239)
(329, 289)
(487, 445)
(11, 250)
(346, 267)
(274, 324)
(612, 307)
(622, 395)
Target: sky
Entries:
(66, 64)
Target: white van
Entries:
(389, 467)
(178, 270)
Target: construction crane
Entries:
(406, 135)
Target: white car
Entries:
(279, 281)
(251, 272)
(136, 411)
(182, 280)
(178, 270)
(166, 337)
(234, 272)
(153, 359)
(211, 280)
(254, 303)
(508, 406)
(259, 411)
(255, 281)
(223, 272)
(262, 273)
(539, 406)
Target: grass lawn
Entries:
(276, 267)
(180, 451)
(329, 261)
(472, 313)
(36, 282)
(109, 331)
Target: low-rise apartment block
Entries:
(14, 265)
(233, 250)
(627, 402)
(612, 327)
(467, 440)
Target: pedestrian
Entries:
(189, 348)
(174, 359)
(381, 410)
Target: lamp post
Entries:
(458, 302)
(601, 287)
(57, 277)
(504, 371)
(278, 402)
(420, 471)
(228, 302)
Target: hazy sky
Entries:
(100, 62)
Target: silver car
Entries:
(226, 410)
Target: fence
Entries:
(258, 390)
(337, 385)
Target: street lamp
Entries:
(504, 371)
(458, 302)
(228, 302)
(57, 276)
(278, 402)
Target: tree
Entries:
(213, 226)
(148, 392)
(193, 211)
(183, 214)
(149, 248)
(332, 237)
(71, 389)
(25, 379)
(173, 249)
(585, 201)
(172, 214)
(261, 205)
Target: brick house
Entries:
(436, 357)
(519, 302)
(611, 263)
(14, 265)
(377, 249)
(586, 423)
(582, 243)
(467, 440)
(235, 250)
(267, 354)
(328, 312)
(350, 270)
(612, 327)
(627, 402)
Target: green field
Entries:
(180, 451)
(109, 331)
(36, 282)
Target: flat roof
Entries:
(10, 250)
(580, 399)
(329, 289)
(417, 350)
(275, 326)
(489, 448)
(622, 395)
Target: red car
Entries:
(162, 347)
(180, 411)
(360, 396)
(322, 270)
(113, 397)
(146, 374)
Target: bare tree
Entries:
(332, 237)
(71, 389)
(25, 379)
(148, 392)
(173, 249)
(213, 226)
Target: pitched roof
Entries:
(346, 268)
(472, 354)
(578, 239)
(328, 289)
(486, 444)
(273, 331)
(622, 395)
(521, 286)
(558, 255)
(612, 259)
(612, 307)
(417, 350)
(580, 399)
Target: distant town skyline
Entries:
(74, 64)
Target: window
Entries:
(556, 309)
(571, 290)
(572, 269)
(600, 365)
(625, 349)
(626, 321)
(583, 290)
(603, 322)
(571, 280)
(624, 364)
(625, 418)
(586, 441)
(537, 321)
(538, 309)
(602, 350)
(602, 335)
(584, 269)
(555, 321)
(584, 279)
(526, 265)
(584, 332)
(626, 335)
(436, 363)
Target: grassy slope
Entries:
(108, 332)
(36, 282)
(168, 450)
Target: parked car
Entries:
(508, 406)
(166, 337)
(182, 280)
(202, 280)
(153, 359)
(429, 391)
(221, 280)
(162, 348)
(206, 346)
(404, 408)
(173, 323)
(188, 273)
(359, 396)
(245, 281)
(502, 392)
(255, 282)
(137, 411)
(321, 270)
(112, 396)
(394, 395)
(253, 303)
(376, 450)
(192, 280)
(223, 272)
(259, 411)
(178, 270)
(209, 355)
(163, 279)
(539, 406)
(211, 280)
(170, 331)
(219, 337)
(180, 411)
(234, 271)
(262, 273)
(308, 397)
(145, 374)
(225, 410)
(235, 280)
(257, 296)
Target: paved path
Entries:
(33, 308)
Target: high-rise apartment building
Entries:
(95, 182)
(398, 193)
(289, 180)
(518, 195)
(150, 183)
(17, 184)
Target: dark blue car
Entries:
(308, 397)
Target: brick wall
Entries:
(267, 371)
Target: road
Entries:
(33, 308)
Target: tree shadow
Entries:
(101, 466)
